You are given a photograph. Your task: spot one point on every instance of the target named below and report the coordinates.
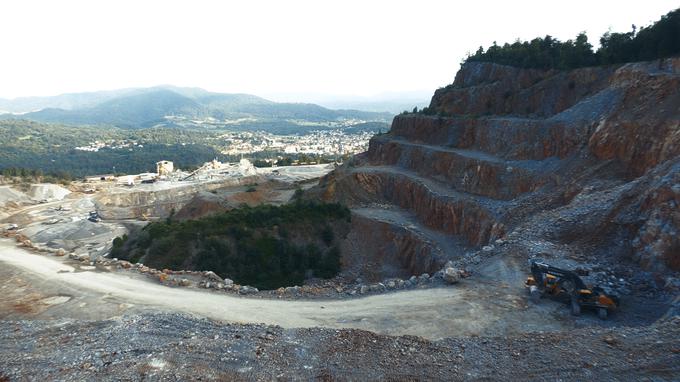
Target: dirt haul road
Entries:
(471, 308)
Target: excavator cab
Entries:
(546, 280)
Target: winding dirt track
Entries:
(467, 309)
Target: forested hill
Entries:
(659, 40)
(31, 147)
(141, 108)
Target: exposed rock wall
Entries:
(651, 217)
(644, 130)
(491, 89)
(509, 138)
(377, 249)
(159, 202)
(585, 159)
(463, 170)
(12, 197)
(47, 191)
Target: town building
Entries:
(164, 167)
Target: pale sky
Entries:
(282, 49)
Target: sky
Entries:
(286, 50)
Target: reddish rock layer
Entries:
(587, 157)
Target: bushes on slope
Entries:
(265, 246)
(660, 40)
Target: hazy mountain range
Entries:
(392, 102)
(145, 107)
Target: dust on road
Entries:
(471, 308)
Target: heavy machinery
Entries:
(546, 280)
(94, 217)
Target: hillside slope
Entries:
(140, 108)
(581, 165)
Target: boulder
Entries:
(245, 289)
(452, 275)
(79, 256)
(212, 276)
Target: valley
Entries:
(33, 149)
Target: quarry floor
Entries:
(492, 302)
(495, 306)
(63, 322)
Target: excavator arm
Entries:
(546, 279)
(569, 280)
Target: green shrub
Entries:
(327, 235)
(660, 40)
(265, 246)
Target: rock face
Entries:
(12, 197)
(490, 89)
(587, 159)
(47, 191)
(158, 200)
(378, 248)
(202, 204)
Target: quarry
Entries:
(578, 168)
(58, 218)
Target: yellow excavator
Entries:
(546, 280)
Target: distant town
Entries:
(326, 142)
(332, 143)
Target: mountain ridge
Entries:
(146, 107)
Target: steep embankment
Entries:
(160, 199)
(573, 163)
